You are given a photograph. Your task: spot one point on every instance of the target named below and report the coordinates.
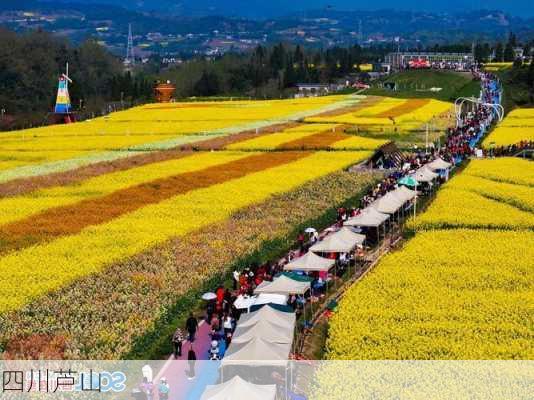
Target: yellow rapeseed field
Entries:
(497, 66)
(51, 265)
(151, 126)
(520, 117)
(300, 133)
(18, 207)
(274, 140)
(516, 127)
(462, 287)
(503, 169)
(374, 117)
(454, 207)
(472, 200)
(504, 136)
(453, 294)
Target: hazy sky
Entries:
(260, 8)
(518, 7)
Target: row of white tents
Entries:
(265, 337)
(262, 338)
(346, 240)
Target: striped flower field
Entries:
(110, 223)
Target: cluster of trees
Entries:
(268, 72)
(31, 63)
(499, 52)
(519, 84)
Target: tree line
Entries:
(268, 71)
(502, 52)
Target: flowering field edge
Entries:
(156, 343)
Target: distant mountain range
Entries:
(178, 29)
(277, 8)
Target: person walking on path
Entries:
(177, 341)
(191, 325)
(147, 388)
(163, 389)
(191, 360)
(228, 324)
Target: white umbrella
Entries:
(209, 296)
(310, 230)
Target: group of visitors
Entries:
(510, 150)
(221, 313)
(460, 143)
(147, 389)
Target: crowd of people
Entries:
(459, 144)
(510, 150)
(221, 313)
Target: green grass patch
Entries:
(417, 84)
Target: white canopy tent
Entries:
(283, 285)
(266, 330)
(342, 241)
(438, 163)
(245, 302)
(388, 204)
(404, 193)
(267, 313)
(369, 218)
(349, 235)
(257, 352)
(238, 388)
(310, 262)
(424, 174)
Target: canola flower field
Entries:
(147, 204)
(121, 217)
(152, 127)
(391, 114)
(462, 287)
(516, 127)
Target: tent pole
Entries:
(285, 371)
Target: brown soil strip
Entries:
(25, 185)
(317, 141)
(409, 106)
(71, 219)
(368, 102)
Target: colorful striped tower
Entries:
(63, 105)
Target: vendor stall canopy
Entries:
(268, 313)
(264, 329)
(257, 351)
(388, 204)
(283, 285)
(369, 218)
(438, 164)
(342, 241)
(310, 262)
(424, 174)
(237, 388)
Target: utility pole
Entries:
(426, 140)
